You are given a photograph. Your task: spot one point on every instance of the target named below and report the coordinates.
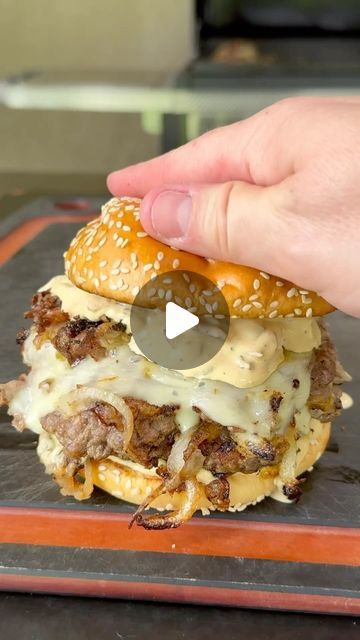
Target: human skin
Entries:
(279, 191)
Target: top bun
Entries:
(113, 257)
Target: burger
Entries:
(217, 438)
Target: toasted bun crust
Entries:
(245, 489)
(113, 257)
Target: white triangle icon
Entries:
(178, 320)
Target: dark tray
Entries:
(302, 557)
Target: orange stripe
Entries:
(24, 233)
(182, 593)
(227, 538)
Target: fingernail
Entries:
(170, 214)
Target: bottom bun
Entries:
(133, 483)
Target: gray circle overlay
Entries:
(193, 293)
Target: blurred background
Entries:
(90, 86)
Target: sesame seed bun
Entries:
(135, 486)
(113, 257)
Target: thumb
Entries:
(235, 222)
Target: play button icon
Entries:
(178, 320)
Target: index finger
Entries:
(217, 156)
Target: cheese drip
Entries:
(123, 373)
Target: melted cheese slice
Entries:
(253, 349)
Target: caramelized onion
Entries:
(114, 400)
(174, 518)
(70, 486)
(176, 461)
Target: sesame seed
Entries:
(91, 273)
(207, 292)
(111, 224)
(103, 263)
(257, 305)
(148, 266)
(178, 300)
(192, 288)
(102, 477)
(103, 277)
(237, 303)
(193, 309)
(151, 292)
(308, 313)
(219, 316)
(115, 236)
(273, 314)
(176, 263)
(188, 303)
(160, 255)
(126, 227)
(202, 300)
(298, 312)
(157, 264)
(168, 281)
(119, 225)
(247, 307)
(115, 272)
(135, 290)
(261, 317)
(88, 258)
(133, 257)
(102, 467)
(214, 306)
(161, 293)
(256, 284)
(186, 277)
(254, 297)
(117, 263)
(303, 292)
(264, 275)
(102, 242)
(306, 300)
(129, 207)
(124, 270)
(292, 292)
(168, 295)
(124, 243)
(208, 307)
(141, 234)
(289, 315)
(113, 286)
(119, 242)
(96, 282)
(274, 304)
(279, 283)
(210, 260)
(153, 276)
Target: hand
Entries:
(279, 191)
